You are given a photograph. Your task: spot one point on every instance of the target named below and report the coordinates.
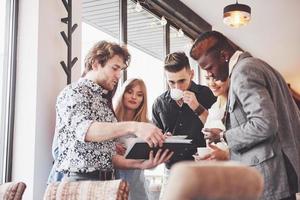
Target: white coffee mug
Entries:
(176, 94)
(203, 151)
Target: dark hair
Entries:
(176, 61)
(210, 42)
(102, 52)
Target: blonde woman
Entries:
(131, 105)
(215, 118)
(217, 115)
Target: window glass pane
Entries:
(180, 42)
(91, 35)
(150, 69)
(145, 43)
(103, 15)
(145, 31)
(2, 67)
(100, 21)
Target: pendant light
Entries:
(236, 15)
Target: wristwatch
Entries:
(199, 110)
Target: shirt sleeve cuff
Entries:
(82, 129)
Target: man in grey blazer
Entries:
(262, 121)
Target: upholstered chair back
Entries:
(87, 190)
(12, 190)
(213, 180)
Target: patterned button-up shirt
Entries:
(77, 107)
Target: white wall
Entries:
(272, 34)
(39, 80)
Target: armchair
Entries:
(213, 180)
(87, 190)
(12, 190)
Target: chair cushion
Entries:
(87, 190)
(213, 180)
(12, 190)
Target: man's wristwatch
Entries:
(199, 110)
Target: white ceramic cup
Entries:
(176, 94)
(203, 151)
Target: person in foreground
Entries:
(182, 116)
(131, 105)
(263, 122)
(86, 125)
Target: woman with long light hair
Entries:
(131, 105)
(131, 109)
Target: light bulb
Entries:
(163, 21)
(180, 33)
(138, 7)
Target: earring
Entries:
(226, 60)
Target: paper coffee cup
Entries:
(176, 94)
(203, 151)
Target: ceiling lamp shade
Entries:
(236, 15)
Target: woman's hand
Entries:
(217, 153)
(160, 157)
(212, 134)
(198, 158)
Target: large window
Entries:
(180, 42)
(145, 43)
(91, 35)
(150, 69)
(103, 15)
(145, 39)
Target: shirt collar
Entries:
(94, 86)
(193, 87)
(233, 60)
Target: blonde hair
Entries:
(141, 114)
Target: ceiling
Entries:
(272, 35)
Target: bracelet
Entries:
(199, 110)
(222, 136)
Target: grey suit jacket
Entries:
(263, 121)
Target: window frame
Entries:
(9, 89)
